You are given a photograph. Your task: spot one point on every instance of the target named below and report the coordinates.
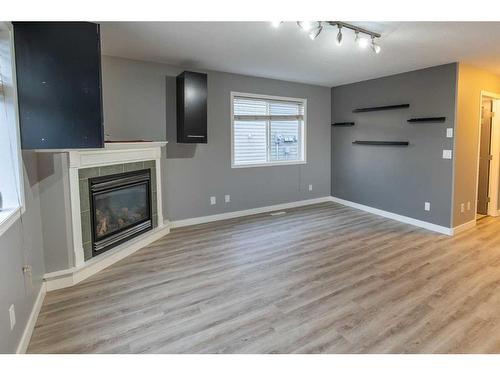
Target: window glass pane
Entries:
(285, 141)
(250, 145)
(267, 130)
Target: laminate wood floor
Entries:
(321, 279)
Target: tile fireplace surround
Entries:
(86, 163)
(85, 174)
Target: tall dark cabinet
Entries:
(192, 108)
(58, 68)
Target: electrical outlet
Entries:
(427, 206)
(468, 206)
(213, 200)
(446, 154)
(227, 198)
(310, 187)
(462, 208)
(12, 316)
(449, 132)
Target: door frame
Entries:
(494, 174)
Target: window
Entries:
(267, 130)
(11, 191)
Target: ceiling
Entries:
(257, 49)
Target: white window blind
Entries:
(11, 190)
(267, 130)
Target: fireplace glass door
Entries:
(121, 208)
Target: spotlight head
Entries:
(314, 33)
(362, 42)
(305, 25)
(276, 24)
(375, 47)
(339, 37)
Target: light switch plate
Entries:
(427, 206)
(310, 187)
(212, 200)
(227, 198)
(449, 132)
(446, 154)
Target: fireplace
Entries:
(120, 207)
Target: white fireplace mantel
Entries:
(112, 153)
(115, 153)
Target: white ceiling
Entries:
(257, 49)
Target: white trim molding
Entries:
(8, 218)
(463, 227)
(66, 278)
(30, 324)
(241, 213)
(494, 177)
(493, 213)
(391, 215)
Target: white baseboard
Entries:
(493, 213)
(30, 324)
(69, 277)
(401, 218)
(252, 211)
(464, 226)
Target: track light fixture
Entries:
(314, 28)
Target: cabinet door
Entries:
(58, 67)
(193, 121)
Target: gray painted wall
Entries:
(21, 244)
(55, 211)
(139, 103)
(396, 179)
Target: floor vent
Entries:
(278, 213)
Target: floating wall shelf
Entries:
(343, 124)
(427, 119)
(383, 108)
(382, 143)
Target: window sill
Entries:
(8, 217)
(295, 162)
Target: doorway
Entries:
(488, 158)
(485, 157)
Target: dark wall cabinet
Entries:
(192, 108)
(58, 67)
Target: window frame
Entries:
(303, 146)
(9, 216)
